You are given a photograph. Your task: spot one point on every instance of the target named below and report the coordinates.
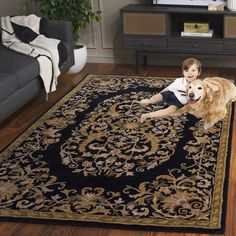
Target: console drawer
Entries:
(145, 43)
(230, 47)
(212, 46)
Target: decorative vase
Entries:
(231, 5)
(80, 54)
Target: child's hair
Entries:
(189, 62)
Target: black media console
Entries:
(152, 29)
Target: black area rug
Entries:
(89, 161)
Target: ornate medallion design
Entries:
(113, 142)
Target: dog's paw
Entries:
(144, 101)
(207, 126)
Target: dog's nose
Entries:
(191, 95)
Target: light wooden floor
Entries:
(18, 122)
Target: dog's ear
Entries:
(213, 87)
(208, 94)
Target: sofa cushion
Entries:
(19, 98)
(8, 85)
(24, 67)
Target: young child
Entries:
(175, 95)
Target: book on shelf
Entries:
(201, 27)
(198, 34)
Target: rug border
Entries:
(227, 170)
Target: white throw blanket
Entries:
(33, 44)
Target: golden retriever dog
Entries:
(207, 99)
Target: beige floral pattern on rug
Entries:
(89, 159)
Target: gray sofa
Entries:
(19, 74)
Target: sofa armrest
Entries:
(61, 30)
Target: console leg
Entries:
(137, 62)
(145, 60)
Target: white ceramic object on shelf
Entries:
(231, 5)
(80, 54)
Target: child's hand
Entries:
(144, 101)
(143, 118)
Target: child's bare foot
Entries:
(144, 101)
(143, 118)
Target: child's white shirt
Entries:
(179, 88)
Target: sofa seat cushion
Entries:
(24, 67)
(8, 85)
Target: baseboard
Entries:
(170, 59)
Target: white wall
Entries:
(103, 39)
(9, 7)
